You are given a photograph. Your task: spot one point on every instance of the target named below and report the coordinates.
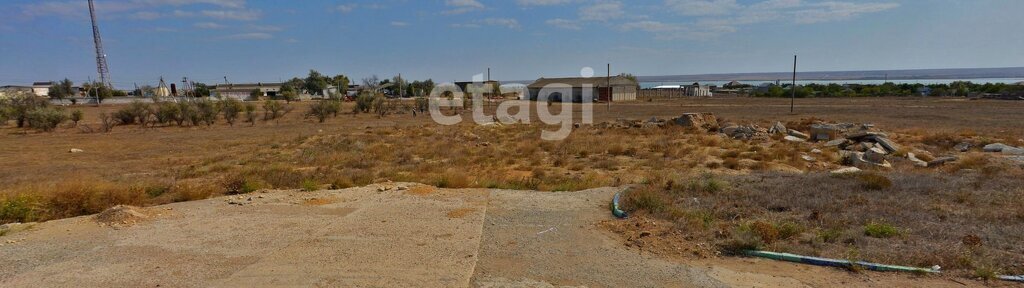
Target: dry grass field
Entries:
(722, 193)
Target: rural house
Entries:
(617, 88)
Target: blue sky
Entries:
(262, 40)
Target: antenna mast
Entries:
(101, 58)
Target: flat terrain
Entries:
(703, 190)
(365, 237)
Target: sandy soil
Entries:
(383, 235)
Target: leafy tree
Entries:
(21, 104)
(342, 82)
(272, 109)
(202, 90)
(62, 89)
(98, 90)
(315, 83)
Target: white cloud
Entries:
(506, 22)
(346, 8)
(564, 24)
(399, 24)
(241, 15)
(249, 36)
(650, 26)
(466, 25)
(208, 25)
(838, 11)
(702, 7)
(602, 11)
(462, 6)
(542, 2)
(145, 15)
(265, 28)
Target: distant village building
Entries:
(244, 91)
(42, 89)
(12, 90)
(694, 90)
(733, 85)
(617, 88)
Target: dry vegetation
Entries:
(721, 194)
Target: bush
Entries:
(310, 185)
(46, 118)
(76, 116)
(324, 108)
(206, 111)
(19, 106)
(364, 102)
(272, 110)
(878, 229)
(167, 112)
(230, 108)
(18, 209)
(250, 113)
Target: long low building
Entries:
(244, 91)
(617, 88)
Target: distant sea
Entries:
(649, 84)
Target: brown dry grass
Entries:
(148, 166)
(962, 221)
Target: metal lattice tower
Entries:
(101, 58)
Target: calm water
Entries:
(875, 82)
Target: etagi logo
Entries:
(570, 95)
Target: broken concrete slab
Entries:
(995, 147)
(875, 155)
(845, 170)
(798, 134)
(963, 146)
(917, 162)
(858, 160)
(837, 143)
(702, 121)
(1013, 151)
(885, 142)
(857, 135)
(778, 128)
(827, 132)
(791, 138)
(942, 160)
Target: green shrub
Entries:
(272, 109)
(76, 116)
(250, 113)
(878, 229)
(310, 185)
(207, 110)
(46, 118)
(167, 112)
(18, 209)
(230, 107)
(364, 102)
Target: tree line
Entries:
(956, 88)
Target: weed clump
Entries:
(878, 229)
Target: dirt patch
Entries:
(461, 212)
(421, 190)
(320, 201)
(121, 216)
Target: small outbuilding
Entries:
(617, 88)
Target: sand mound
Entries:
(121, 215)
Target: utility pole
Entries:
(608, 80)
(792, 89)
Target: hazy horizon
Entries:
(251, 41)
